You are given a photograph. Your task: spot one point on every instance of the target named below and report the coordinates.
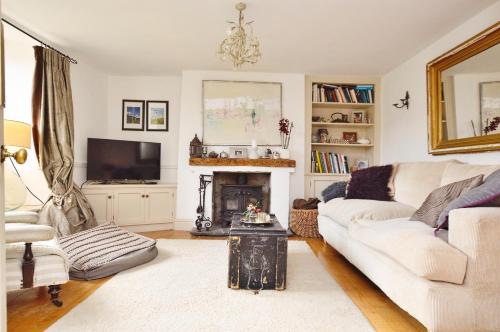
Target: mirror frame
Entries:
(437, 145)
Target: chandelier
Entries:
(240, 45)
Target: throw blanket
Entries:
(100, 245)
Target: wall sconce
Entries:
(405, 102)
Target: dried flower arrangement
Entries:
(285, 128)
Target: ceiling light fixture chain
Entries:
(240, 46)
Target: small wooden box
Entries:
(257, 256)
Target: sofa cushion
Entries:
(345, 211)
(370, 183)
(438, 200)
(454, 172)
(486, 194)
(413, 245)
(414, 181)
(335, 190)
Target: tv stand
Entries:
(133, 204)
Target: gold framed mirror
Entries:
(463, 96)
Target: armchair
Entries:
(34, 258)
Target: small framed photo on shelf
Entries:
(156, 115)
(133, 114)
(362, 164)
(358, 117)
(237, 152)
(350, 136)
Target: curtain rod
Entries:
(41, 42)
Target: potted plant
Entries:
(285, 128)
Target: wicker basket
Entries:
(304, 223)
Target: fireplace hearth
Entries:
(232, 192)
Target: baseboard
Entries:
(183, 225)
(150, 228)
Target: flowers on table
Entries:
(252, 208)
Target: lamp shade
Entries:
(17, 134)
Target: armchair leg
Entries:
(54, 295)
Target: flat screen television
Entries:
(115, 160)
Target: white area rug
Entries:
(185, 289)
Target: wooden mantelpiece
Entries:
(241, 162)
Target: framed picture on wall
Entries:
(156, 115)
(132, 114)
(237, 112)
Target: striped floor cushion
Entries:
(105, 250)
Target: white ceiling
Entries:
(154, 37)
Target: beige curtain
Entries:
(53, 136)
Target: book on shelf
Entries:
(343, 93)
(329, 163)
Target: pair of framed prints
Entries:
(152, 112)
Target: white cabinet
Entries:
(160, 204)
(129, 206)
(132, 205)
(101, 201)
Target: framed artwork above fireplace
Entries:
(237, 112)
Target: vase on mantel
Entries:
(284, 153)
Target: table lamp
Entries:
(17, 136)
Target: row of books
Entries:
(329, 162)
(360, 94)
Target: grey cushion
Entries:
(119, 264)
(335, 190)
(486, 194)
(439, 199)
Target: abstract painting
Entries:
(235, 112)
(132, 114)
(157, 115)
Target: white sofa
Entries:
(450, 282)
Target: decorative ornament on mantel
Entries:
(285, 128)
(240, 46)
(195, 147)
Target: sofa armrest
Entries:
(17, 232)
(476, 232)
(25, 217)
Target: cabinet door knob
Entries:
(147, 196)
(143, 196)
(109, 197)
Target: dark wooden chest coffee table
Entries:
(257, 256)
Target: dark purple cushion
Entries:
(370, 183)
(484, 194)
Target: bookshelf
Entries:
(321, 105)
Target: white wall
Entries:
(90, 98)
(147, 88)
(293, 86)
(404, 133)
(89, 101)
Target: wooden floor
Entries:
(30, 310)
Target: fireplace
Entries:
(234, 191)
(235, 198)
